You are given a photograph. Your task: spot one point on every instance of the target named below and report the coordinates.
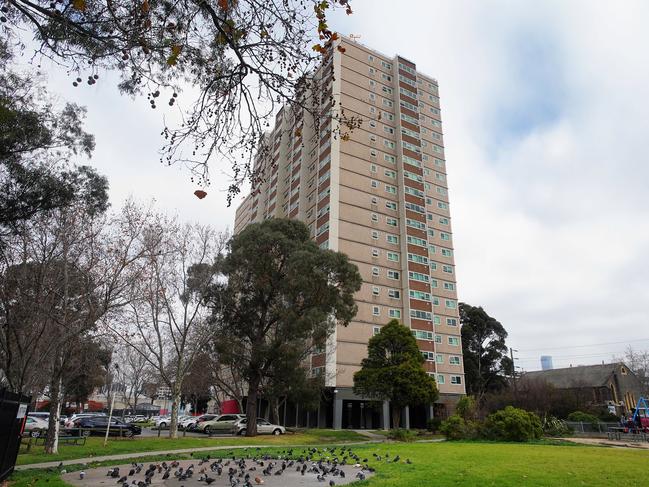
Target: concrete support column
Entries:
(406, 417)
(386, 415)
(430, 412)
(338, 413)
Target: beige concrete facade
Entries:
(379, 194)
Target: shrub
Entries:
(402, 435)
(583, 417)
(433, 424)
(457, 428)
(466, 408)
(513, 424)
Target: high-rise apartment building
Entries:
(378, 193)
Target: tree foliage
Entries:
(241, 59)
(277, 295)
(486, 364)
(37, 139)
(393, 371)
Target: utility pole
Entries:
(511, 355)
(112, 405)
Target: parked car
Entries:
(187, 422)
(41, 415)
(263, 427)
(35, 426)
(72, 419)
(98, 424)
(201, 419)
(220, 424)
(162, 422)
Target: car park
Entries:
(35, 426)
(263, 427)
(220, 424)
(96, 425)
(187, 422)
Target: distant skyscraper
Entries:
(378, 194)
(546, 362)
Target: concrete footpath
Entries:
(127, 456)
(638, 445)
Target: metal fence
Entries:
(581, 427)
(13, 409)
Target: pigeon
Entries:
(332, 483)
(360, 476)
(396, 459)
(259, 480)
(82, 474)
(131, 472)
(122, 480)
(209, 480)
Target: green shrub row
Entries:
(509, 424)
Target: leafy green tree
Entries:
(277, 295)
(37, 138)
(239, 59)
(486, 364)
(393, 371)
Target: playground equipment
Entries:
(640, 417)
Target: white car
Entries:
(35, 426)
(162, 422)
(263, 427)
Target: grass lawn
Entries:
(471, 464)
(94, 446)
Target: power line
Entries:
(583, 346)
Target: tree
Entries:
(134, 372)
(85, 371)
(165, 319)
(65, 271)
(393, 371)
(486, 364)
(242, 58)
(638, 362)
(276, 307)
(37, 138)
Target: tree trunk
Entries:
(52, 440)
(273, 405)
(173, 426)
(251, 407)
(396, 417)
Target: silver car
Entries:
(221, 424)
(35, 426)
(263, 427)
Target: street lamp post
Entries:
(112, 405)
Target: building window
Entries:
(451, 321)
(391, 221)
(393, 256)
(373, 169)
(391, 205)
(394, 313)
(376, 311)
(456, 380)
(393, 239)
(375, 271)
(375, 217)
(454, 341)
(389, 158)
(454, 360)
(449, 286)
(375, 235)
(450, 304)
(376, 330)
(438, 338)
(439, 358)
(440, 379)
(391, 189)
(375, 252)
(393, 275)
(421, 315)
(375, 291)
(374, 184)
(394, 293)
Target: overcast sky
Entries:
(546, 121)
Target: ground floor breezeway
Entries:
(340, 408)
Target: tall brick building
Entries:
(379, 194)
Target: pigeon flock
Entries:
(313, 466)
